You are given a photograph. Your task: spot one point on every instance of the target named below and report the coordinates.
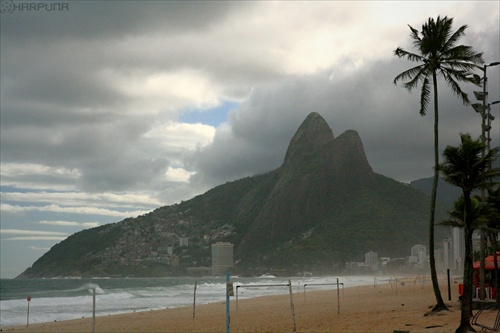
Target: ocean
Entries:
(72, 298)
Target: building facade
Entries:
(458, 248)
(371, 260)
(418, 254)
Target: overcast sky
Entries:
(110, 109)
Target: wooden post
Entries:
(338, 297)
(194, 296)
(93, 311)
(227, 303)
(449, 287)
(28, 314)
(291, 304)
(237, 287)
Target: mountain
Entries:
(446, 194)
(322, 207)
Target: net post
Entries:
(291, 305)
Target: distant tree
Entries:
(437, 54)
(465, 167)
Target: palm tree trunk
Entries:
(466, 306)
(432, 260)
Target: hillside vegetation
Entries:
(322, 207)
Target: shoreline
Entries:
(385, 307)
(121, 296)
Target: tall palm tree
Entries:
(438, 53)
(465, 167)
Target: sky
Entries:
(110, 109)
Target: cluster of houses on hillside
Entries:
(449, 255)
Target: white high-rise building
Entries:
(447, 255)
(458, 248)
(419, 253)
(371, 260)
(222, 258)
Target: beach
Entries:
(389, 307)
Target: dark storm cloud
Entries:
(91, 97)
(106, 19)
(397, 140)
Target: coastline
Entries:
(385, 307)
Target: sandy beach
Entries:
(382, 308)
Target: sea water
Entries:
(72, 298)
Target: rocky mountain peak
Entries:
(312, 135)
(318, 171)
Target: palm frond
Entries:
(435, 35)
(452, 223)
(463, 53)
(401, 53)
(493, 207)
(461, 75)
(410, 74)
(415, 36)
(455, 87)
(453, 37)
(425, 96)
(462, 72)
(491, 174)
(437, 51)
(463, 65)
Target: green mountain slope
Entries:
(323, 207)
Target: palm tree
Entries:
(493, 207)
(437, 54)
(465, 167)
(457, 217)
(493, 216)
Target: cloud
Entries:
(24, 169)
(32, 235)
(8, 208)
(179, 137)
(38, 176)
(38, 248)
(31, 232)
(71, 224)
(109, 20)
(35, 238)
(96, 100)
(119, 106)
(76, 198)
(178, 175)
(397, 140)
